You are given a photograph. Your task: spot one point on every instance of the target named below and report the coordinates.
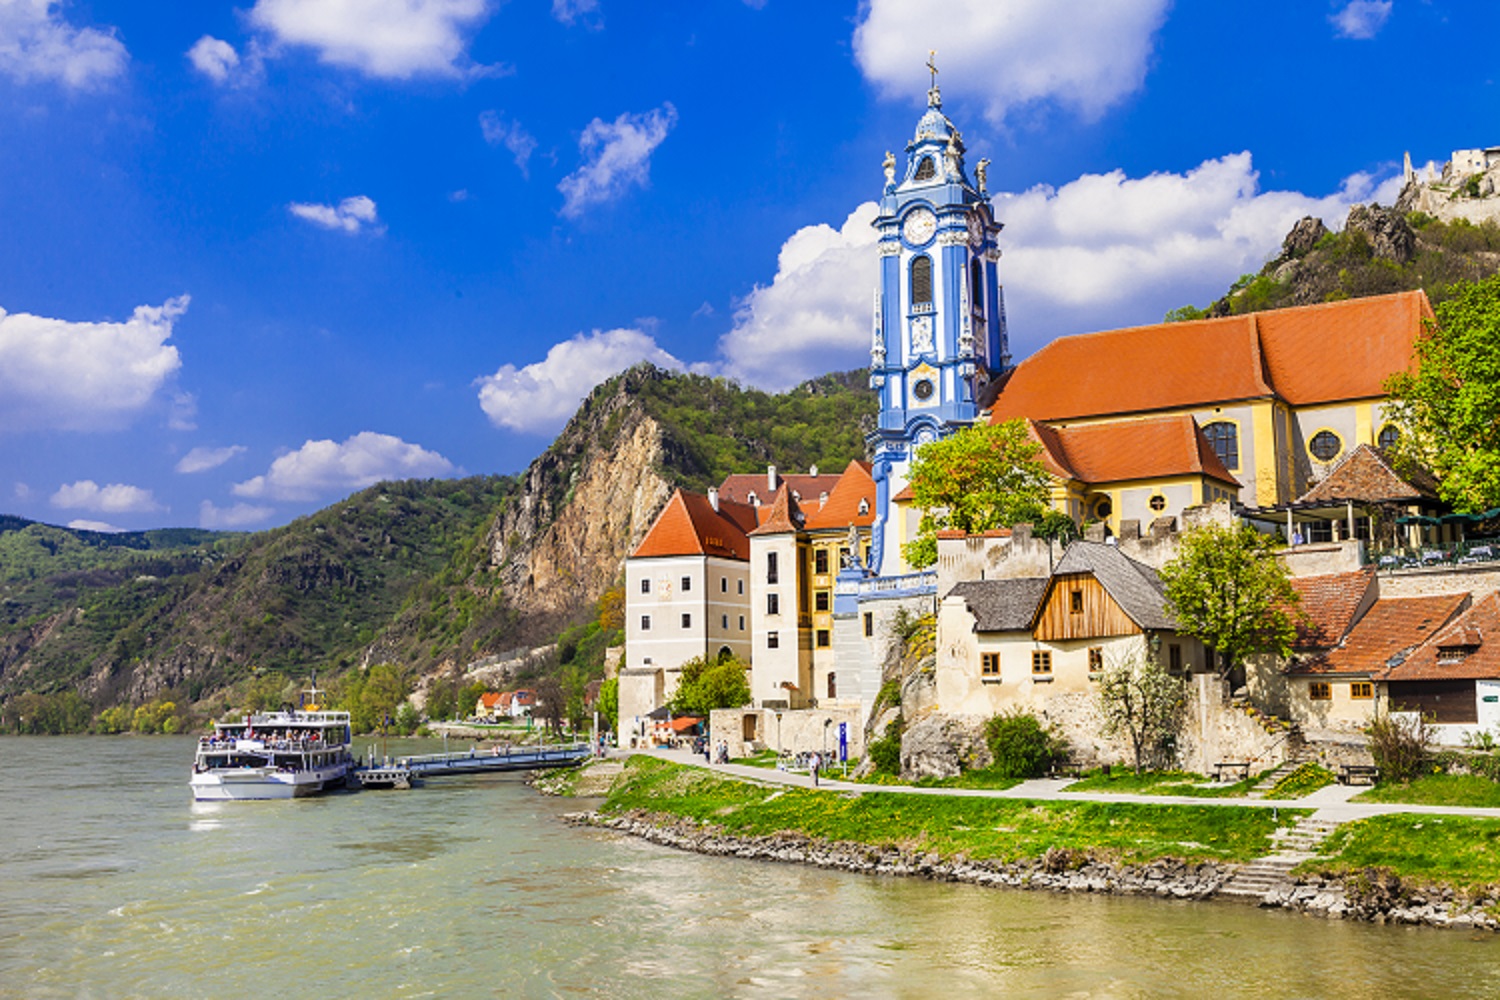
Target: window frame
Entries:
(1361, 690)
(1230, 455)
(1337, 438)
(1319, 691)
(989, 664)
(927, 273)
(1041, 663)
(823, 639)
(773, 639)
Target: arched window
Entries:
(976, 286)
(1224, 438)
(832, 686)
(921, 281)
(927, 169)
(1390, 436)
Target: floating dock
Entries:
(403, 772)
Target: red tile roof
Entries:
(785, 516)
(740, 485)
(689, 525)
(489, 699)
(1394, 625)
(842, 508)
(1328, 605)
(1150, 448)
(1308, 354)
(1458, 652)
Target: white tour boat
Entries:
(275, 755)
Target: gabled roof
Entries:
(740, 485)
(1459, 651)
(842, 508)
(785, 516)
(1148, 448)
(689, 525)
(1329, 604)
(1308, 354)
(490, 699)
(1365, 475)
(1002, 605)
(1134, 586)
(1394, 625)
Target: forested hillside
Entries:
(423, 576)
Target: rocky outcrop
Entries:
(1303, 237)
(1391, 238)
(943, 746)
(584, 505)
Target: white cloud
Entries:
(240, 515)
(497, 132)
(391, 39)
(1100, 252)
(36, 43)
(571, 11)
(202, 458)
(1079, 54)
(350, 215)
(616, 156)
(324, 468)
(81, 524)
(815, 314)
(59, 375)
(540, 397)
(1361, 19)
(116, 498)
(22, 491)
(214, 58)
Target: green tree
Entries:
(985, 476)
(609, 701)
(1227, 589)
(1020, 746)
(1448, 406)
(1140, 700)
(709, 684)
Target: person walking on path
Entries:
(817, 762)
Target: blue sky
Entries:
(255, 257)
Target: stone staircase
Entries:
(1269, 778)
(1294, 845)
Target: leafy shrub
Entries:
(1401, 749)
(1021, 746)
(885, 753)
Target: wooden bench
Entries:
(1229, 767)
(1358, 774)
(1065, 768)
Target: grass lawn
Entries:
(1160, 783)
(971, 779)
(1304, 781)
(1455, 850)
(765, 758)
(1000, 829)
(1438, 790)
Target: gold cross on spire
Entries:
(932, 64)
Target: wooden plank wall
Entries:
(1100, 617)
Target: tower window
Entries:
(976, 286)
(771, 574)
(921, 281)
(923, 389)
(1224, 438)
(927, 169)
(820, 561)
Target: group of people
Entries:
(718, 753)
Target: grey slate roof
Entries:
(1001, 605)
(1135, 586)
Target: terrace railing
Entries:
(1474, 552)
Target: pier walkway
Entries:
(401, 772)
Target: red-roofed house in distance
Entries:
(488, 706)
(687, 594)
(1279, 396)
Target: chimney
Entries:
(771, 478)
(713, 497)
(813, 471)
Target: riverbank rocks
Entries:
(1371, 895)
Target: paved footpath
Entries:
(1333, 803)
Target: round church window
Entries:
(923, 389)
(1325, 446)
(1158, 503)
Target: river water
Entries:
(113, 883)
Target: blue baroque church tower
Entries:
(939, 324)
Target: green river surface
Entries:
(113, 883)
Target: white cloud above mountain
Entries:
(1102, 251)
(350, 215)
(616, 157)
(233, 517)
(115, 498)
(203, 458)
(386, 39)
(83, 376)
(1076, 54)
(540, 397)
(38, 43)
(326, 468)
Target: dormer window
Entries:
(927, 169)
(1452, 654)
(754, 500)
(864, 507)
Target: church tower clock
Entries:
(939, 320)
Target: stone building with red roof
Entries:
(1279, 397)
